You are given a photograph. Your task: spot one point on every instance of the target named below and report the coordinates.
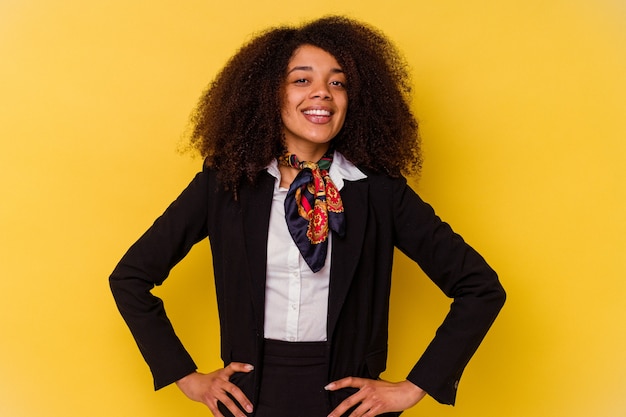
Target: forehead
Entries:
(309, 54)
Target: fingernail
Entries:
(328, 387)
(249, 367)
(249, 408)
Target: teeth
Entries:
(317, 112)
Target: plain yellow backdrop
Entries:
(523, 114)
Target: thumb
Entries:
(240, 367)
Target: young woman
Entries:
(306, 134)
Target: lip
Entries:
(318, 114)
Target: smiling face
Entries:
(314, 102)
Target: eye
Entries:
(300, 81)
(340, 84)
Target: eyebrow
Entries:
(309, 68)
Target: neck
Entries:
(312, 153)
(287, 175)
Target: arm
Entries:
(148, 263)
(462, 274)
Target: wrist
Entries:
(414, 391)
(184, 380)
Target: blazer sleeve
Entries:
(147, 263)
(462, 274)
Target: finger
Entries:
(231, 406)
(363, 410)
(346, 404)
(233, 367)
(240, 397)
(233, 389)
(214, 410)
(348, 382)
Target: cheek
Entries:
(343, 102)
(344, 107)
(288, 103)
(284, 108)
(286, 115)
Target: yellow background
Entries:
(523, 114)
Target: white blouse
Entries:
(296, 298)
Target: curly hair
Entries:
(237, 124)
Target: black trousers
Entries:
(293, 380)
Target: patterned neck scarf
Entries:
(312, 207)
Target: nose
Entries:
(320, 90)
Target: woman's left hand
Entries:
(375, 396)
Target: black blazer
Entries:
(381, 213)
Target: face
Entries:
(314, 101)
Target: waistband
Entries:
(285, 349)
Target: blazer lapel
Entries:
(256, 202)
(345, 252)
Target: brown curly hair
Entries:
(237, 125)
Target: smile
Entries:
(317, 112)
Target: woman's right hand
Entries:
(215, 386)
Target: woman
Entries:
(307, 133)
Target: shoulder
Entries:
(394, 193)
(384, 182)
